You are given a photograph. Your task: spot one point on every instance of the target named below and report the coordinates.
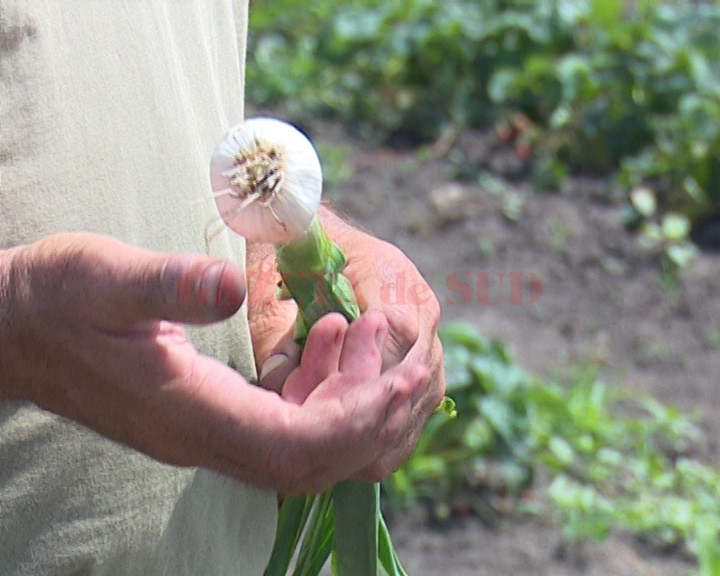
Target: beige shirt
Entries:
(109, 111)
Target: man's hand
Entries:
(90, 331)
(412, 342)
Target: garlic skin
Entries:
(267, 181)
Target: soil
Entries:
(603, 298)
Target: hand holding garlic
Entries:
(267, 184)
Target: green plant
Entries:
(488, 447)
(336, 166)
(600, 90)
(668, 232)
(611, 459)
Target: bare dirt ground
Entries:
(604, 299)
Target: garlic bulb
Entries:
(267, 181)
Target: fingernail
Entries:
(272, 363)
(210, 279)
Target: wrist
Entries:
(359, 245)
(348, 237)
(331, 221)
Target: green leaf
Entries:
(317, 540)
(681, 254)
(562, 450)
(607, 12)
(644, 201)
(292, 518)
(389, 561)
(498, 413)
(709, 548)
(502, 84)
(447, 406)
(463, 334)
(478, 435)
(675, 227)
(357, 512)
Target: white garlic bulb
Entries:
(267, 180)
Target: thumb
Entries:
(195, 289)
(129, 285)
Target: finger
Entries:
(425, 396)
(121, 285)
(271, 321)
(431, 356)
(181, 288)
(320, 358)
(272, 324)
(364, 341)
(438, 382)
(186, 288)
(413, 328)
(273, 336)
(404, 420)
(280, 364)
(192, 289)
(353, 426)
(356, 427)
(398, 420)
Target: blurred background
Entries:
(553, 168)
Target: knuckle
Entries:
(433, 310)
(404, 328)
(57, 259)
(399, 389)
(438, 360)
(418, 376)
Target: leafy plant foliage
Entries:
(583, 85)
(609, 460)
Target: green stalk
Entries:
(357, 518)
(317, 542)
(294, 513)
(311, 269)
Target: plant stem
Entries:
(311, 269)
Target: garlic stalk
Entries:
(267, 184)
